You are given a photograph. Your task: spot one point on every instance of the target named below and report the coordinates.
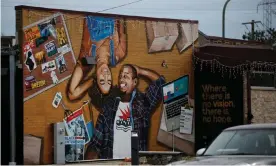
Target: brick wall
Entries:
(39, 113)
(263, 103)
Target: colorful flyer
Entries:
(48, 66)
(40, 57)
(75, 125)
(32, 33)
(60, 61)
(61, 35)
(44, 31)
(50, 48)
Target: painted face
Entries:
(126, 81)
(104, 79)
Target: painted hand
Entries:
(137, 69)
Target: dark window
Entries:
(263, 79)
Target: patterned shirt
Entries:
(142, 106)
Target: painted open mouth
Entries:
(123, 85)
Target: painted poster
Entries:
(30, 61)
(38, 84)
(41, 45)
(40, 41)
(64, 49)
(32, 33)
(40, 57)
(48, 66)
(74, 148)
(62, 40)
(29, 45)
(76, 126)
(61, 64)
(51, 48)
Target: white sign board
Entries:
(186, 121)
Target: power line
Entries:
(67, 5)
(108, 9)
(119, 6)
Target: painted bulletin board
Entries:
(48, 55)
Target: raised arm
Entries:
(150, 74)
(153, 93)
(78, 83)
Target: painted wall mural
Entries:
(108, 88)
(123, 108)
(161, 36)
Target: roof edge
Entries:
(19, 7)
(261, 47)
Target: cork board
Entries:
(48, 55)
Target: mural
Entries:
(102, 98)
(123, 108)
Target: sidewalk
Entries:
(100, 162)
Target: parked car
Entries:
(253, 144)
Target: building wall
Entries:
(263, 105)
(245, 108)
(39, 113)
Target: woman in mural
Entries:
(104, 41)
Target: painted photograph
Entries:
(74, 148)
(48, 66)
(50, 48)
(40, 57)
(61, 64)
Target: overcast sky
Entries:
(207, 12)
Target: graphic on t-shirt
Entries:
(123, 123)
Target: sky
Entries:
(207, 12)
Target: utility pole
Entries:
(253, 22)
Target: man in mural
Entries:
(124, 109)
(104, 40)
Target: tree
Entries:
(266, 37)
